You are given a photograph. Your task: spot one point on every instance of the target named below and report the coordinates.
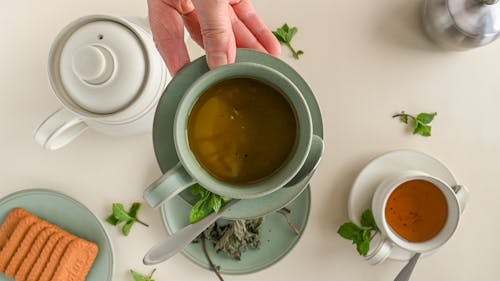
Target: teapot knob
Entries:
(93, 64)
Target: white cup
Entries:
(381, 247)
(108, 75)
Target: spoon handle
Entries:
(405, 273)
(177, 241)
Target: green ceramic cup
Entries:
(189, 171)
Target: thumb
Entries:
(216, 30)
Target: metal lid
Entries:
(101, 66)
(476, 17)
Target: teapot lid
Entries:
(100, 65)
(476, 17)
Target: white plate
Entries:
(384, 166)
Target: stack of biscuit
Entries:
(32, 249)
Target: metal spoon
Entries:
(405, 273)
(177, 241)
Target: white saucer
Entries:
(384, 166)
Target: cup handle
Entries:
(382, 248)
(167, 186)
(59, 129)
(462, 194)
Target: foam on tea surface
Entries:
(242, 130)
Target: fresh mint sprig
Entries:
(119, 215)
(208, 203)
(360, 235)
(139, 277)
(285, 35)
(421, 123)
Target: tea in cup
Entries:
(242, 131)
(415, 212)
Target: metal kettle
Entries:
(462, 24)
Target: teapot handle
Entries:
(59, 129)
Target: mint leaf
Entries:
(291, 33)
(363, 247)
(112, 220)
(139, 277)
(126, 228)
(350, 231)
(404, 119)
(367, 219)
(426, 118)
(201, 209)
(425, 130)
(119, 212)
(285, 35)
(134, 210)
(215, 202)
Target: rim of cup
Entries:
(283, 174)
(382, 195)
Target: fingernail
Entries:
(216, 59)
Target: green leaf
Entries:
(363, 247)
(119, 212)
(139, 277)
(425, 130)
(300, 52)
(279, 36)
(285, 27)
(350, 231)
(291, 33)
(366, 235)
(201, 209)
(215, 202)
(126, 228)
(367, 219)
(134, 210)
(404, 118)
(426, 118)
(112, 220)
(416, 127)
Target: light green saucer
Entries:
(163, 130)
(277, 237)
(70, 215)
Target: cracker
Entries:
(24, 247)
(33, 273)
(10, 224)
(15, 240)
(76, 261)
(34, 252)
(55, 257)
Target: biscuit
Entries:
(24, 247)
(15, 240)
(33, 253)
(76, 261)
(55, 257)
(10, 224)
(33, 273)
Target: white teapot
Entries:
(108, 75)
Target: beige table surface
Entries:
(365, 60)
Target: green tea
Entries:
(242, 130)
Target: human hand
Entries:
(218, 26)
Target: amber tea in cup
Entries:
(242, 130)
(417, 210)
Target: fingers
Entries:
(246, 13)
(216, 30)
(244, 38)
(193, 26)
(168, 33)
